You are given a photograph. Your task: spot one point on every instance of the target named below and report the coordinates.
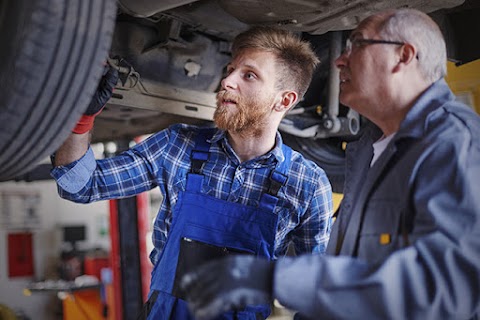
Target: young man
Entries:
(235, 188)
(406, 244)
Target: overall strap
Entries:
(198, 157)
(278, 178)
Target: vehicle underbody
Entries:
(171, 56)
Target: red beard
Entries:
(247, 117)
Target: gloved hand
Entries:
(99, 99)
(227, 284)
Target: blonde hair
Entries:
(294, 55)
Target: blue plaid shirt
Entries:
(163, 160)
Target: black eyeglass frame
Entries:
(355, 42)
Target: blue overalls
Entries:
(204, 228)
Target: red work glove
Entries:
(99, 99)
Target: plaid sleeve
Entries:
(124, 175)
(313, 232)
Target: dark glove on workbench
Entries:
(227, 284)
(99, 99)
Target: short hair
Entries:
(294, 55)
(415, 27)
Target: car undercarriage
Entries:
(172, 56)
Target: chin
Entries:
(344, 99)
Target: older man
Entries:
(406, 244)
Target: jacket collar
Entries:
(433, 98)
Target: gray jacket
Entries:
(406, 243)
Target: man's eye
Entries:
(250, 75)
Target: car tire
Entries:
(51, 60)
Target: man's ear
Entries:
(286, 101)
(408, 54)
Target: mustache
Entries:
(227, 95)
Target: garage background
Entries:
(32, 216)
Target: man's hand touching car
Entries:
(101, 96)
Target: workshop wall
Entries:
(35, 209)
(464, 81)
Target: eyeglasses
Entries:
(357, 42)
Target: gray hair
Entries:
(415, 27)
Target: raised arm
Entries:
(77, 143)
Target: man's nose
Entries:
(229, 81)
(342, 60)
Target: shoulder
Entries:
(464, 117)
(449, 144)
(306, 171)
(300, 162)
(183, 131)
(186, 131)
(176, 138)
(454, 123)
(178, 134)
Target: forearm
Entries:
(431, 282)
(74, 147)
(87, 179)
